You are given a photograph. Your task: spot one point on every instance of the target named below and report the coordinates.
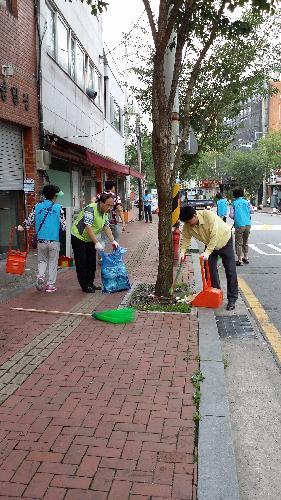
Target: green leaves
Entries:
(97, 6)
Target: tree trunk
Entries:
(161, 150)
(161, 156)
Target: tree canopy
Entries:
(193, 31)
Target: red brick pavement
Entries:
(109, 414)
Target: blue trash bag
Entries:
(114, 275)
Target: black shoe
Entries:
(89, 289)
(96, 287)
(246, 261)
(239, 263)
(146, 221)
(230, 306)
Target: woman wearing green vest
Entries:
(87, 226)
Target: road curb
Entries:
(217, 474)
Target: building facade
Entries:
(18, 114)
(82, 104)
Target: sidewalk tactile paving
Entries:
(97, 410)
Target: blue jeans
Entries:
(147, 213)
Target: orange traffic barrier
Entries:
(209, 297)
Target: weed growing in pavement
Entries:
(188, 355)
(181, 308)
(225, 361)
(196, 380)
(144, 299)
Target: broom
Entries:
(179, 270)
(126, 315)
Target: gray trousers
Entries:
(228, 259)
(47, 258)
(241, 241)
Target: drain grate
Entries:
(235, 327)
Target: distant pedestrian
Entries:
(147, 202)
(240, 212)
(207, 227)
(221, 206)
(48, 217)
(85, 232)
(114, 214)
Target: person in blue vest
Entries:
(147, 202)
(221, 206)
(240, 212)
(48, 218)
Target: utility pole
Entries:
(264, 118)
(127, 182)
(138, 134)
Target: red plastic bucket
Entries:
(16, 259)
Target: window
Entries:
(79, 66)
(105, 95)
(94, 82)
(91, 77)
(72, 59)
(98, 87)
(50, 18)
(9, 6)
(115, 117)
(62, 37)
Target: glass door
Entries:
(9, 205)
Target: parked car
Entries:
(154, 205)
(198, 204)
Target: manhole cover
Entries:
(235, 327)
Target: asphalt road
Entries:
(252, 365)
(264, 271)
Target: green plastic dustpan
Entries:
(126, 315)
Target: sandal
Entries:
(239, 263)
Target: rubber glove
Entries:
(98, 246)
(205, 255)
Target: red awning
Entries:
(106, 163)
(135, 173)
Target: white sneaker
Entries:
(40, 283)
(50, 288)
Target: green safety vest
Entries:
(79, 229)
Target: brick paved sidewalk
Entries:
(92, 410)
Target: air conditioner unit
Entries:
(43, 159)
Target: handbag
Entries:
(34, 240)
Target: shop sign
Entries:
(28, 185)
(14, 94)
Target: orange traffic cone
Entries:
(209, 297)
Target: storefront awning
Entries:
(80, 155)
(135, 173)
(106, 163)
(111, 165)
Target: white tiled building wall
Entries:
(67, 110)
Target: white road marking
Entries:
(254, 247)
(274, 247)
(266, 227)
